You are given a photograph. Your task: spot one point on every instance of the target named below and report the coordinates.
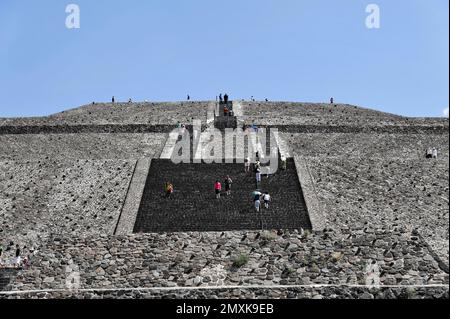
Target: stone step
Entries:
(223, 121)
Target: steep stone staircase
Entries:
(223, 121)
(193, 206)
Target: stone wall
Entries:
(66, 183)
(209, 259)
(44, 197)
(384, 180)
(316, 293)
(80, 146)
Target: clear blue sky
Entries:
(161, 50)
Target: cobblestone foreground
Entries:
(384, 208)
(209, 259)
(339, 292)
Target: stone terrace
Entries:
(80, 146)
(53, 197)
(282, 114)
(66, 183)
(121, 114)
(360, 146)
(373, 179)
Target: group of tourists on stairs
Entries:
(218, 187)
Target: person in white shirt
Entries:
(247, 164)
(435, 153)
(267, 200)
(257, 165)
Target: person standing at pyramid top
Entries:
(113, 100)
(225, 98)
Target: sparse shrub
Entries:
(268, 235)
(410, 293)
(336, 256)
(306, 233)
(240, 260)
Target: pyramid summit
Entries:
(356, 206)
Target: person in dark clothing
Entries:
(113, 100)
(18, 259)
(256, 195)
(225, 98)
(332, 101)
(220, 97)
(188, 98)
(228, 182)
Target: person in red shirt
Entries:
(168, 188)
(218, 189)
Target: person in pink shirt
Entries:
(218, 189)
